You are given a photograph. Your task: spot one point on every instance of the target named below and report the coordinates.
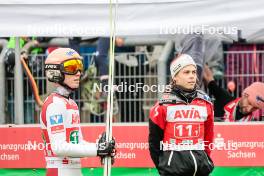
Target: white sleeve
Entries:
(57, 133)
(82, 141)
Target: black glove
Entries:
(105, 149)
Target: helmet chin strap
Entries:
(61, 82)
(67, 87)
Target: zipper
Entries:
(170, 157)
(208, 159)
(195, 163)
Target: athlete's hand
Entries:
(106, 149)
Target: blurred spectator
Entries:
(101, 60)
(74, 43)
(235, 109)
(26, 44)
(98, 100)
(130, 70)
(203, 49)
(193, 45)
(214, 56)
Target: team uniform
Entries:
(232, 113)
(180, 132)
(227, 107)
(60, 120)
(60, 123)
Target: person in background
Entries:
(232, 109)
(25, 43)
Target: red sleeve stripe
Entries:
(44, 109)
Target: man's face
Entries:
(186, 77)
(244, 105)
(73, 81)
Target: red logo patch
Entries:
(57, 129)
(192, 114)
(75, 118)
(65, 161)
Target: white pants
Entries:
(63, 172)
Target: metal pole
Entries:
(128, 41)
(3, 45)
(162, 63)
(18, 91)
(131, 41)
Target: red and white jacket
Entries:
(230, 112)
(60, 123)
(187, 126)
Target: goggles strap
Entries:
(52, 66)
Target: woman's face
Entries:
(186, 77)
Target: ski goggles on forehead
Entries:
(72, 66)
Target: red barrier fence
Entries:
(236, 144)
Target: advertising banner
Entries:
(235, 144)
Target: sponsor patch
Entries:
(186, 113)
(74, 137)
(56, 119)
(75, 118)
(57, 129)
(206, 97)
(70, 53)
